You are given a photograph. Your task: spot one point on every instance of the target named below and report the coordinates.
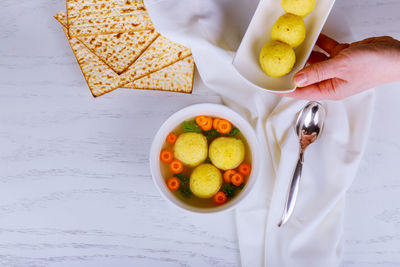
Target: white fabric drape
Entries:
(213, 30)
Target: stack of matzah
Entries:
(116, 46)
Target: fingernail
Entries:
(300, 79)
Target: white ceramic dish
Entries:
(259, 32)
(190, 113)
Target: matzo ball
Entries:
(191, 148)
(226, 152)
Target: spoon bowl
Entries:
(309, 123)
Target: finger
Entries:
(304, 94)
(316, 57)
(373, 40)
(320, 91)
(317, 72)
(339, 48)
(385, 39)
(326, 43)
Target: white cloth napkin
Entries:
(213, 30)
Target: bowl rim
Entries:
(215, 110)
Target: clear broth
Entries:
(187, 170)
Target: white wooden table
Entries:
(75, 185)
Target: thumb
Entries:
(317, 72)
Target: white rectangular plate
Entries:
(259, 32)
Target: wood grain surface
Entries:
(75, 185)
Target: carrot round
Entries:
(166, 156)
(208, 124)
(176, 166)
(244, 168)
(171, 138)
(228, 176)
(224, 126)
(200, 120)
(173, 183)
(220, 198)
(237, 179)
(215, 123)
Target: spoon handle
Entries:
(293, 190)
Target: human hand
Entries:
(349, 69)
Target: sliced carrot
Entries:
(224, 126)
(220, 198)
(200, 120)
(166, 156)
(171, 138)
(205, 122)
(176, 166)
(208, 124)
(244, 168)
(173, 183)
(215, 123)
(237, 179)
(228, 176)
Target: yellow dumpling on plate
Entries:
(298, 7)
(289, 29)
(277, 58)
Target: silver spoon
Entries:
(308, 127)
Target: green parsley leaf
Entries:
(191, 126)
(185, 191)
(184, 187)
(240, 187)
(229, 190)
(182, 177)
(234, 132)
(211, 134)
